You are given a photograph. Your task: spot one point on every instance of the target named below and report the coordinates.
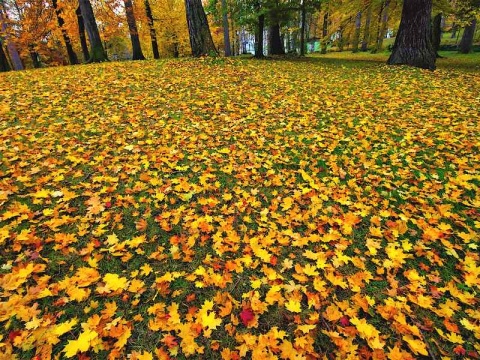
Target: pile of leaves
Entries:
(239, 209)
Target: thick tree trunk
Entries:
(366, 30)
(259, 33)
(97, 52)
(72, 57)
(437, 33)
(324, 33)
(11, 48)
(81, 34)
(466, 43)
(4, 65)
(132, 27)
(201, 40)
(226, 30)
(151, 27)
(356, 35)
(302, 29)
(413, 45)
(275, 46)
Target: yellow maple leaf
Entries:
(368, 332)
(114, 282)
(82, 344)
(287, 203)
(65, 327)
(210, 321)
(41, 194)
(293, 305)
(416, 345)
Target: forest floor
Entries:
(320, 208)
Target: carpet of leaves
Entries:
(239, 209)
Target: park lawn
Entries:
(318, 208)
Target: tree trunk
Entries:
(366, 30)
(34, 56)
(153, 33)
(341, 38)
(437, 33)
(413, 45)
(259, 32)
(4, 65)
(12, 49)
(382, 26)
(324, 33)
(356, 36)
(454, 31)
(466, 43)
(226, 30)
(132, 27)
(302, 29)
(275, 46)
(234, 44)
(72, 57)
(81, 34)
(201, 40)
(97, 52)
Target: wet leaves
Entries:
(234, 209)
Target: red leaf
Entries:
(273, 260)
(344, 321)
(459, 350)
(13, 334)
(246, 316)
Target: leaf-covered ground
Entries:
(239, 209)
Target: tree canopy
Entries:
(49, 32)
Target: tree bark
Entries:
(382, 25)
(302, 29)
(201, 40)
(72, 57)
(413, 45)
(324, 33)
(137, 53)
(275, 46)
(437, 33)
(4, 65)
(151, 27)
(356, 36)
(34, 56)
(466, 43)
(81, 34)
(454, 31)
(259, 32)
(366, 30)
(97, 52)
(11, 48)
(226, 30)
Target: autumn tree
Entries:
(151, 27)
(81, 34)
(226, 32)
(467, 11)
(4, 65)
(413, 45)
(6, 39)
(466, 43)
(97, 52)
(132, 26)
(201, 40)
(72, 57)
